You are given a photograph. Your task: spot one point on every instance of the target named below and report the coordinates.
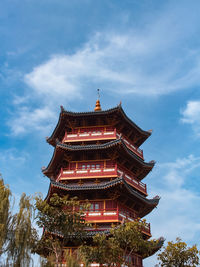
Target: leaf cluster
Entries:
(63, 219)
(5, 215)
(22, 238)
(123, 240)
(178, 254)
(61, 215)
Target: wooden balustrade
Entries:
(107, 172)
(134, 182)
(118, 214)
(93, 134)
(100, 134)
(134, 260)
(87, 173)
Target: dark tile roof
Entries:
(104, 185)
(105, 146)
(117, 109)
(106, 112)
(158, 245)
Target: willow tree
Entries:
(22, 235)
(5, 215)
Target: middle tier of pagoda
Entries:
(93, 167)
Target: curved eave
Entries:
(106, 146)
(57, 156)
(86, 235)
(151, 203)
(158, 245)
(52, 138)
(64, 113)
(60, 148)
(64, 147)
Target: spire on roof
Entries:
(98, 105)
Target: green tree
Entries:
(62, 220)
(45, 262)
(73, 260)
(178, 254)
(5, 214)
(22, 235)
(116, 248)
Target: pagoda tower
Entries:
(97, 157)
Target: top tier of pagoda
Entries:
(101, 125)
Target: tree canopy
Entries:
(178, 254)
(62, 219)
(118, 246)
(22, 235)
(5, 214)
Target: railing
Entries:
(137, 151)
(133, 260)
(101, 173)
(90, 135)
(100, 135)
(135, 183)
(87, 173)
(114, 215)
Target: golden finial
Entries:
(98, 105)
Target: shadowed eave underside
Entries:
(94, 147)
(117, 110)
(149, 204)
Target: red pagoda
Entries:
(97, 157)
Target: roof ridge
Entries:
(118, 180)
(89, 112)
(103, 146)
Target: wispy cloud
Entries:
(39, 119)
(178, 210)
(10, 161)
(149, 61)
(12, 155)
(128, 63)
(191, 115)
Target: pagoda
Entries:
(97, 157)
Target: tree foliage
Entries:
(62, 220)
(5, 214)
(45, 262)
(22, 235)
(178, 254)
(116, 248)
(73, 259)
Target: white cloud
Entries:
(12, 155)
(191, 115)
(124, 63)
(27, 120)
(55, 78)
(150, 61)
(178, 211)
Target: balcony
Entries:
(97, 171)
(118, 214)
(87, 134)
(99, 133)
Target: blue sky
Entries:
(143, 53)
